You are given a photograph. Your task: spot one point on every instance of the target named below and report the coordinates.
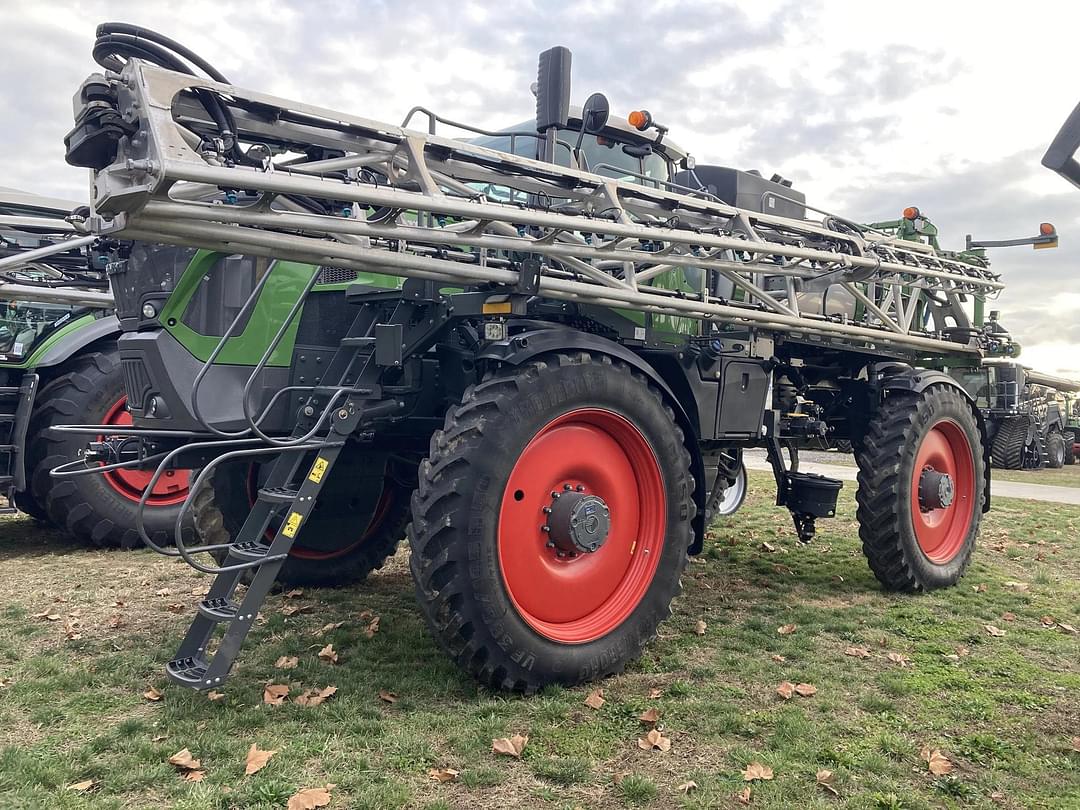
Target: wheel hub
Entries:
(577, 523)
(936, 490)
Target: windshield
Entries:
(24, 325)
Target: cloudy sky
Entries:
(934, 105)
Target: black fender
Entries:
(917, 380)
(78, 340)
(524, 346)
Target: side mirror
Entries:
(594, 115)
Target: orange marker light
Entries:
(1046, 229)
(911, 212)
(639, 119)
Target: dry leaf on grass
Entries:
(372, 628)
(649, 716)
(443, 774)
(49, 617)
(292, 610)
(328, 655)
(857, 652)
(980, 588)
(595, 699)
(1076, 743)
(994, 631)
(654, 693)
(1047, 621)
(274, 694)
(687, 787)
(1068, 628)
(326, 628)
(163, 592)
(287, 662)
(806, 689)
(1017, 586)
(898, 658)
(936, 762)
(654, 741)
(176, 607)
(295, 593)
(1008, 616)
(315, 697)
(778, 658)
(787, 629)
(387, 697)
(510, 746)
(824, 779)
(310, 798)
(962, 651)
(767, 546)
(743, 796)
(189, 767)
(82, 787)
(256, 759)
(213, 695)
(755, 770)
(152, 694)
(700, 627)
(786, 690)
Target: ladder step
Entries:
(218, 609)
(188, 672)
(278, 494)
(357, 341)
(250, 550)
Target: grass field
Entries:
(84, 635)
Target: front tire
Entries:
(1055, 451)
(1070, 448)
(99, 509)
(519, 607)
(917, 528)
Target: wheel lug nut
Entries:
(545, 528)
(567, 487)
(580, 487)
(546, 510)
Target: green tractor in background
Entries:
(59, 364)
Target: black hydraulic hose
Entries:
(160, 39)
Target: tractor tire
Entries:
(1055, 451)
(844, 445)
(1070, 447)
(561, 439)
(1007, 448)
(355, 527)
(97, 509)
(918, 530)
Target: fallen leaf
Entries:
(295, 593)
(310, 798)
(194, 776)
(857, 652)
(82, 787)
(936, 762)
(256, 759)
(164, 592)
(315, 697)
(49, 617)
(786, 690)
(778, 658)
(687, 787)
(962, 651)
(275, 693)
(152, 694)
(387, 697)
(755, 770)
(806, 689)
(287, 662)
(655, 692)
(1017, 586)
(595, 699)
(328, 655)
(994, 631)
(898, 658)
(326, 628)
(654, 741)
(214, 695)
(1047, 621)
(372, 629)
(117, 621)
(183, 760)
(1068, 628)
(1076, 743)
(787, 629)
(510, 746)
(443, 774)
(824, 779)
(649, 716)
(997, 796)
(292, 610)
(743, 795)
(767, 546)
(200, 590)
(980, 588)
(1008, 616)
(700, 627)
(176, 607)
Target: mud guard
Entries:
(523, 347)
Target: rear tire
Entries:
(1007, 448)
(491, 583)
(92, 508)
(333, 549)
(1070, 449)
(1055, 451)
(914, 543)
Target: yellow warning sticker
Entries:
(317, 470)
(292, 525)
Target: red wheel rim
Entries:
(580, 599)
(382, 508)
(941, 531)
(172, 486)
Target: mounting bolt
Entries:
(580, 487)
(309, 411)
(545, 529)
(567, 487)
(342, 414)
